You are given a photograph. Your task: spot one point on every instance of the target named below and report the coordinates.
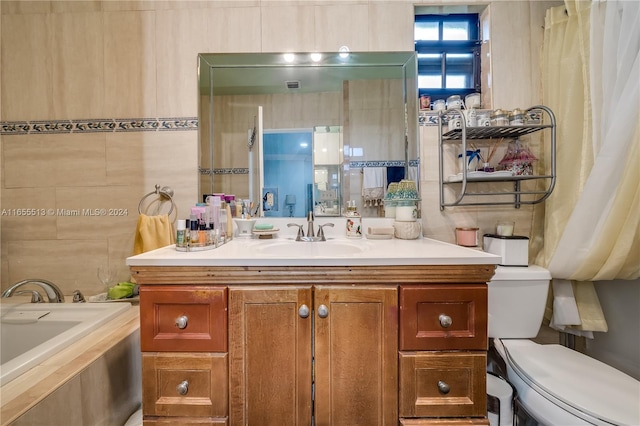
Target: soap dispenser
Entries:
(354, 221)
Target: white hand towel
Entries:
(373, 182)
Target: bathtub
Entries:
(33, 332)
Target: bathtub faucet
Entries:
(54, 294)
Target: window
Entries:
(448, 51)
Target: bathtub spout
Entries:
(54, 294)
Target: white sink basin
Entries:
(329, 248)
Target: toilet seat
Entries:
(580, 385)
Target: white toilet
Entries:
(555, 385)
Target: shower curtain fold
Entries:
(591, 221)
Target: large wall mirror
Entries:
(298, 132)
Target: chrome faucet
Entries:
(310, 232)
(54, 294)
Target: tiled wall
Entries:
(69, 63)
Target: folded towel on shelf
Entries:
(152, 232)
(373, 183)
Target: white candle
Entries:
(504, 229)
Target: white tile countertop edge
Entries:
(337, 251)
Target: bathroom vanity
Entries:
(345, 332)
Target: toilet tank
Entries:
(517, 297)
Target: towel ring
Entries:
(164, 192)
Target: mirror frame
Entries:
(208, 63)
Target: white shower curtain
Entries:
(591, 80)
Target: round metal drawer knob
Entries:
(443, 387)
(445, 320)
(183, 388)
(323, 311)
(182, 322)
(304, 311)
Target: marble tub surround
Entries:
(93, 381)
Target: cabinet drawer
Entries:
(443, 384)
(183, 318)
(180, 384)
(443, 317)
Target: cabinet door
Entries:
(356, 350)
(270, 355)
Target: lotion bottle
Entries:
(180, 233)
(354, 221)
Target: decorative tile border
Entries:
(98, 125)
(395, 163)
(428, 118)
(352, 165)
(232, 171)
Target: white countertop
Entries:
(337, 251)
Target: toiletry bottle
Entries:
(221, 221)
(181, 228)
(194, 238)
(215, 212)
(229, 234)
(354, 221)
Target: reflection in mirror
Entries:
(357, 116)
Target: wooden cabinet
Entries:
(270, 355)
(183, 336)
(443, 343)
(353, 346)
(356, 371)
(358, 345)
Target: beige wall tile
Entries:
(511, 62)
(27, 215)
(339, 25)
(96, 212)
(233, 29)
(75, 6)
(391, 26)
(24, 7)
(180, 36)
(71, 264)
(148, 156)
(128, 5)
(288, 28)
(51, 160)
(77, 58)
(26, 78)
(130, 64)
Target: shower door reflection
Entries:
(288, 172)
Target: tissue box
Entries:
(514, 249)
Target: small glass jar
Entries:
(454, 101)
(516, 118)
(484, 118)
(499, 118)
(439, 105)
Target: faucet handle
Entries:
(321, 231)
(35, 296)
(78, 297)
(300, 231)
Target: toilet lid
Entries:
(580, 384)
